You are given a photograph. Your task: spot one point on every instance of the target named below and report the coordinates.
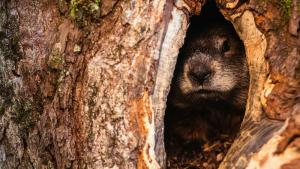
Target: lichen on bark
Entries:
(9, 55)
(9, 34)
(286, 8)
(81, 11)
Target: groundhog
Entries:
(209, 90)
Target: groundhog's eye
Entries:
(225, 47)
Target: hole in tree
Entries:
(208, 94)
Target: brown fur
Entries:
(199, 110)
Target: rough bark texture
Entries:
(76, 83)
(84, 83)
(274, 59)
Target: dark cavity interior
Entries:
(217, 115)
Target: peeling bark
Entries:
(84, 83)
(274, 88)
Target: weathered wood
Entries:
(91, 82)
(84, 83)
(274, 88)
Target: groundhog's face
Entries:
(214, 67)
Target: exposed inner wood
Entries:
(84, 83)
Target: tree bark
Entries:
(269, 134)
(84, 83)
(79, 91)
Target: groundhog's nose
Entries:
(199, 76)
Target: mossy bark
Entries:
(85, 86)
(77, 80)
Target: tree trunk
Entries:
(83, 84)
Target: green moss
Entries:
(84, 11)
(286, 8)
(74, 8)
(56, 58)
(24, 115)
